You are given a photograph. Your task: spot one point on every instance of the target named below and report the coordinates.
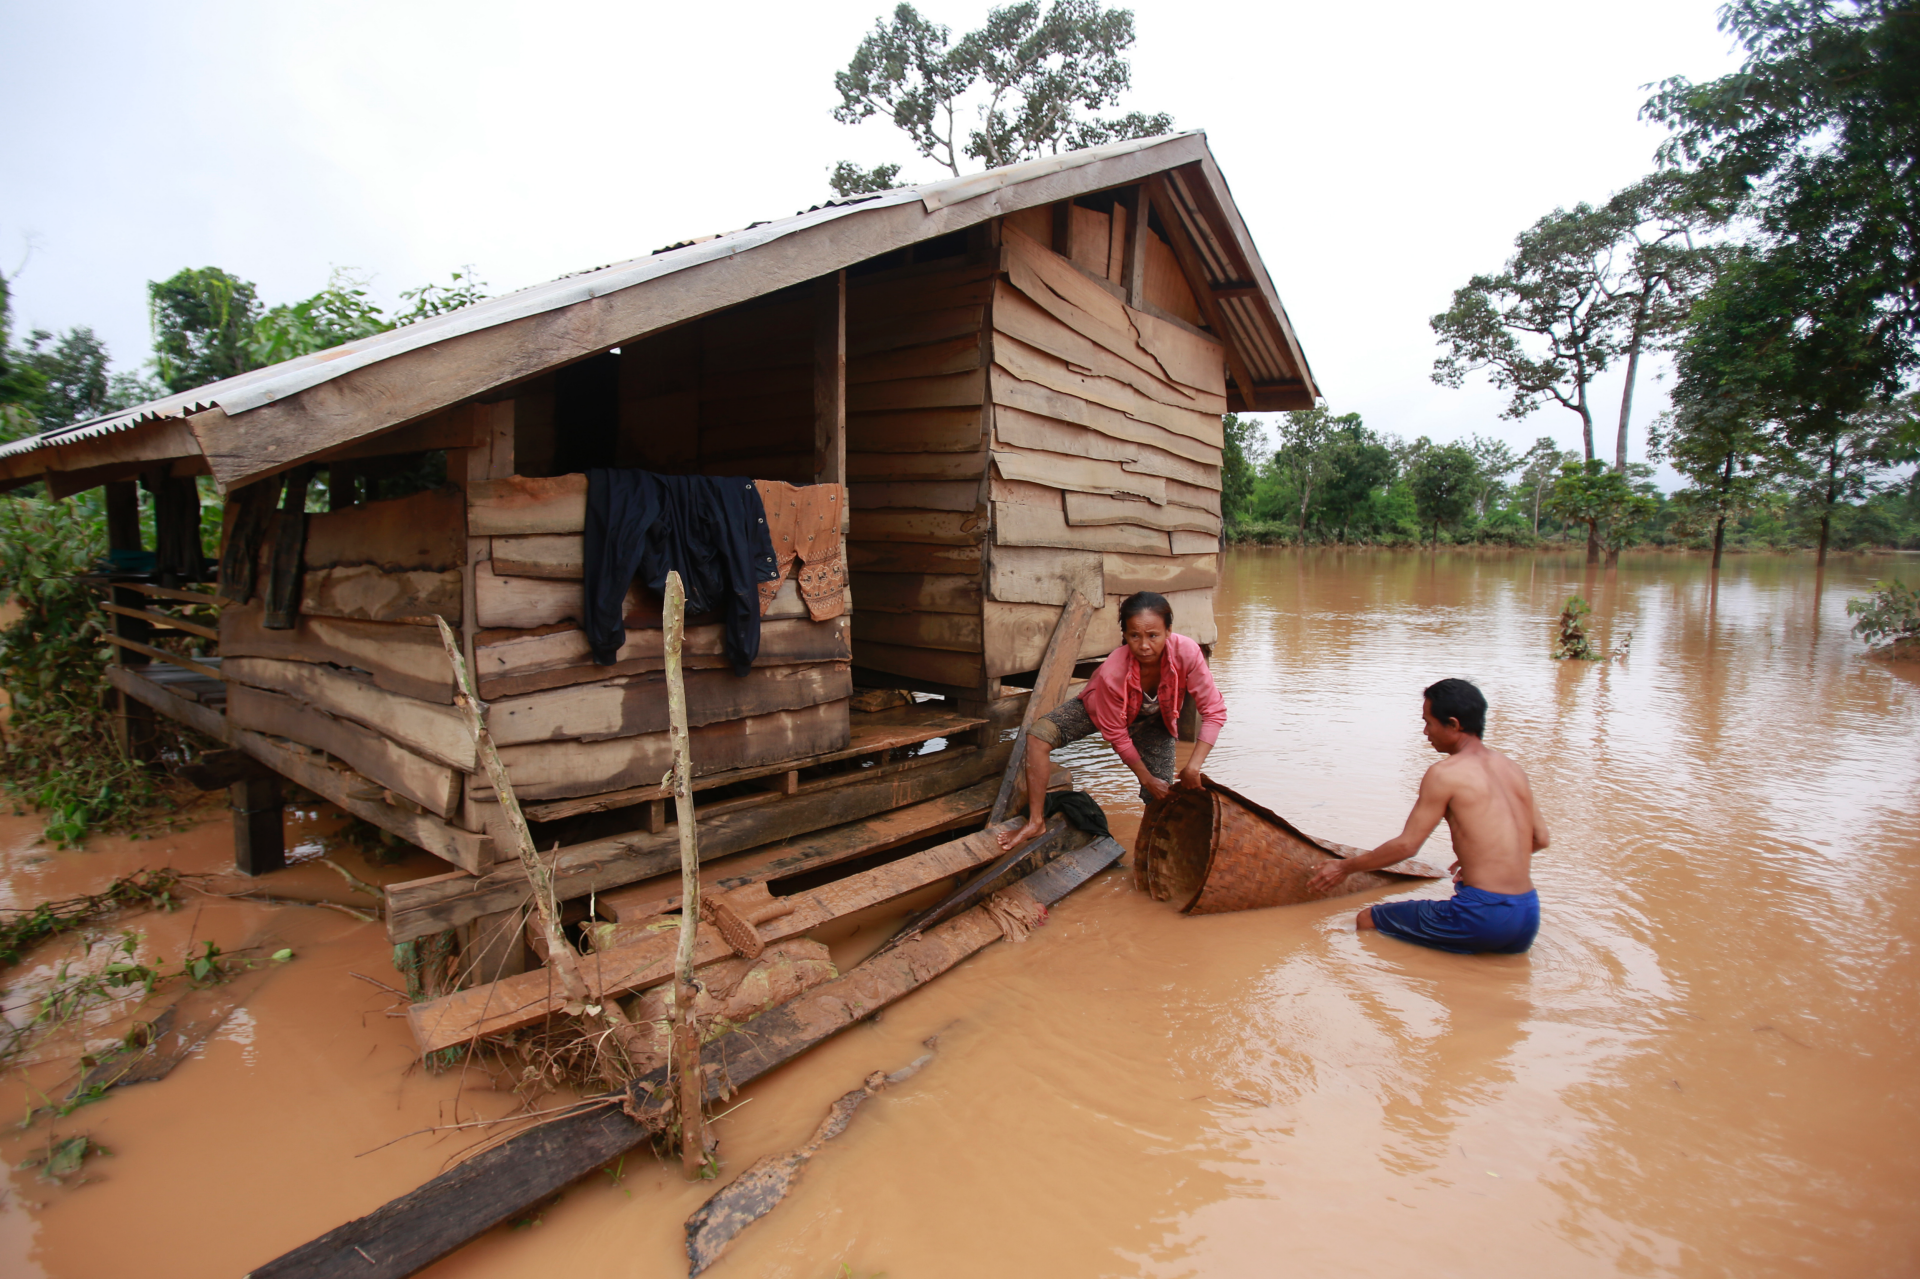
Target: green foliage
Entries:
(1814, 143)
(1573, 644)
(463, 288)
(1444, 481)
(1244, 451)
(63, 1158)
(203, 326)
(60, 753)
(21, 930)
(337, 314)
(1891, 613)
(1608, 502)
(1584, 288)
(1029, 77)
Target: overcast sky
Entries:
(1381, 153)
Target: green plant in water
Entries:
(1574, 644)
(63, 1157)
(142, 890)
(1890, 614)
(60, 753)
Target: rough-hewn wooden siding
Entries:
(916, 460)
(1105, 445)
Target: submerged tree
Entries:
(1027, 83)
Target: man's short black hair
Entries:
(1457, 699)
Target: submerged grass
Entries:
(152, 889)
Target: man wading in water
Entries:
(1134, 699)
(1496, 831)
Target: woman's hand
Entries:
(1155, 787)
(1189, 778)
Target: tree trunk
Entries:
(1586, 421)
(1826, 523)
(1633, 368)
(1719, 539)
(1593, 541)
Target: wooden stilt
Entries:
(259, 824)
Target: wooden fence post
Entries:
(690, 1085)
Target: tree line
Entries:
(1775, 253)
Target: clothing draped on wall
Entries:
(711, 529)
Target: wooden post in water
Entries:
(689, 1087)
(561, 957)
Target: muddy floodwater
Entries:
(1709, 1064)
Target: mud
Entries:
(1706, 1066)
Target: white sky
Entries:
(1381, 153)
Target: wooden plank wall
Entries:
(916, 464)
(1106, 439)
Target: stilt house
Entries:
(1000, 389)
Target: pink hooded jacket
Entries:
(1113, 696)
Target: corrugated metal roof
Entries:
(249, 391)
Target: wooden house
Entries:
(1012, 384)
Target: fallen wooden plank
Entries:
(1055, 671)
(427, 1223)
(638, 960)
(810, 852)
(419, 907)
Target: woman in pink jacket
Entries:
(1134, 700)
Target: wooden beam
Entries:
(1063, 229)
(1133, 277)
(428, 1223)
(1056, 673)
(161, 619)
(148, 650)
(206, 598)
(1189, 259)
(259, 825)
(830, 379)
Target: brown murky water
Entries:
(1706, 1066)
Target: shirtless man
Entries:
(1496, 830)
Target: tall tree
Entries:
(1658, 272)
(1717, 447)
(203, 326)
(1444, 481)
(1302, 453)
(1359, 465)
(1540, 467)
(1588, 493)
(1815, 142)
(79, 384)
(1030, 79)
(1545, 326)
(1496, 462)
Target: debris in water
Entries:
(64, 1158)
(758, 1190)
(144, 889)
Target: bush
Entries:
(60, 751)
(1891, 613)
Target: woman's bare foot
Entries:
(1010, 840)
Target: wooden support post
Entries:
(1133, 271)
(494, 946)
(1063, 228)
(259, 824)
(1049, 690)
(830, 380)
(135, 725)
(343, 481)
(688, 1084)
(492, 429)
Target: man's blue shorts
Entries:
(1472, 922)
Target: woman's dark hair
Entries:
(1459, 700)
(1145, 602)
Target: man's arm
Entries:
(1427, 812)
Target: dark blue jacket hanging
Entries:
(712, 529)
